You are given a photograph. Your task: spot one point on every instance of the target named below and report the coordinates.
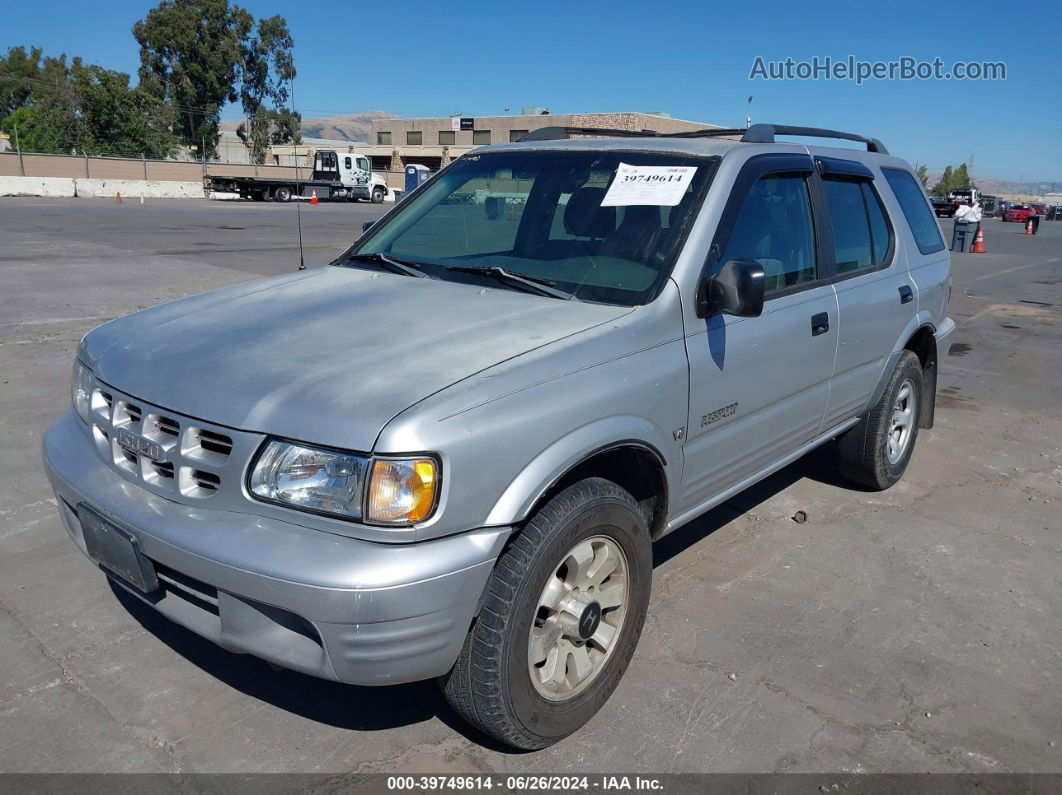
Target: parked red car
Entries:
(1018, 212)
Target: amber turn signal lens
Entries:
(402, 491)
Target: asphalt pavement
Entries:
(916, 629)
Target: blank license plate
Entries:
(116, 550)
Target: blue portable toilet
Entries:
(416, 175)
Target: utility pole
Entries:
(21, 165)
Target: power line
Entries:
(200, 110)
(232, 114)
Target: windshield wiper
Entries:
(534, 283)
(394, 264)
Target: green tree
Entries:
(49, 121)
(199, 54)
(963, 179)
(28, 127)
(922, 172)
(117, 119)
(952, 179)
(267, 70)
(78, 107)
(269, 126)
(18, 73)
(945, 183)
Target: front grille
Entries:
(167, 426)
(170, 454)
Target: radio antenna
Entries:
(298, 189)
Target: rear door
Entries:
(759, 385)
(875, 295)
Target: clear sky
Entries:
(690, 58)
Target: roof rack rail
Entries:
(764, 134)
(756, 134)
(560, 133)
(708, 132)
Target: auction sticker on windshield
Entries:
(663, 186)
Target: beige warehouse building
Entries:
(434, 142)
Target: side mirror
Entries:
(365, 226)
(737, 289)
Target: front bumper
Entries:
(327, 605)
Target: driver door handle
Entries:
(820, 324)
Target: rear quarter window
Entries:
(915, 209)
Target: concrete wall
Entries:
(32, 165)
(131, 189)
(88, 188)
(37, 186)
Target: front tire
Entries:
(561, 618)
(378, 195)
(875, 453)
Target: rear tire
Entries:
(875, 453)
(282, 194)
(551, 643)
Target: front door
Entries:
(759, 385)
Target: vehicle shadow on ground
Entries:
(818, 465)
(342, 706)
(356, 708)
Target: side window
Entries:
(346, 163)
(861, 233)
(915, 209)
(880, 229)
(774, 228)
(851, 229)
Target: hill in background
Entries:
(1002, 187)
(352, 127)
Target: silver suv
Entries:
(447, 453)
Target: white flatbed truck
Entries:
(335, 175)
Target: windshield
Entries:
(561, 218)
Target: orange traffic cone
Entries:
(979, 242)
(117, 198)
(1028, 227)
(313, 197)
(512, 212)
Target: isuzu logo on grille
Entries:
(138, 444)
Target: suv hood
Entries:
(328, 355)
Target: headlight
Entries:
(392, 491)
(402, 490)
(81, 389)
(310, 478)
